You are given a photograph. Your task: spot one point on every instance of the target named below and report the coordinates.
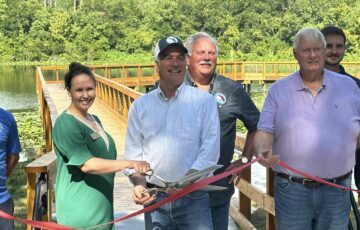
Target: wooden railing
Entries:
(46, 163)
(115, 96)
(246, 72)
(249, 193)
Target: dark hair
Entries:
(333, 30)
(76, 69)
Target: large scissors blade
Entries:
(213, 188)
(191, 178)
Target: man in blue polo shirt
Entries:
(9, 156)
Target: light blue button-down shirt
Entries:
(174, 135)
(314, 134)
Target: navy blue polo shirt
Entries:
(233, 103)
(342, 71)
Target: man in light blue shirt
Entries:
(176, 129)
(9, 156)
(311, 119)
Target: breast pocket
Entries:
(190, 130)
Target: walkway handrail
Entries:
(47, 108)
(117, 97)
(46, 164)
(248, 193)
(135, 75)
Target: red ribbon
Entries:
(188, 189)
(38, 224)
(282, 164)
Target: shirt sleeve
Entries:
(210, 136)
(133, 139)
(13, 144)
(71, 141)
(268, 113)
(245, 108)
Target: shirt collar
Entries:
(300, 84)
(189, 81)
(178, 91)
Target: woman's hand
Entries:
(140, 166)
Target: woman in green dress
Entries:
(86, 157)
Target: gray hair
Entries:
(309, 34)
(193, 38)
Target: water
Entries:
(18, 88)
(18, 94)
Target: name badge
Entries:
(94, 136)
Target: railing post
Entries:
(30, 194)
(270, 219)
(244, 201)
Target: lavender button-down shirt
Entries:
(314, 134)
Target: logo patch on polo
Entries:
(220, 99)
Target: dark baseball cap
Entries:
(168, 42)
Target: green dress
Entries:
(82, 200)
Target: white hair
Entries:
(193, 38)
(309, 34)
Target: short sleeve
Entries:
(245, 108)
(13, 144)
(268, 113)
(71, 141)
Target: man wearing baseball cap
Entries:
(176, 129)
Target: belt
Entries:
(311, 183)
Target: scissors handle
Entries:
(154, 191)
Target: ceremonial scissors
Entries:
(186, 180)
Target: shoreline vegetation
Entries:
(140, 60)
(60, 31)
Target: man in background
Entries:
(9, 156)
(335, 51)
(232, 103)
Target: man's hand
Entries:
(140, 197)
(269, 159)
(235, 178)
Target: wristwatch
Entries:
(244, 160)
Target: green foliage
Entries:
(30, 132)
(103, 31)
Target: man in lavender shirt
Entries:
(311, 120)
